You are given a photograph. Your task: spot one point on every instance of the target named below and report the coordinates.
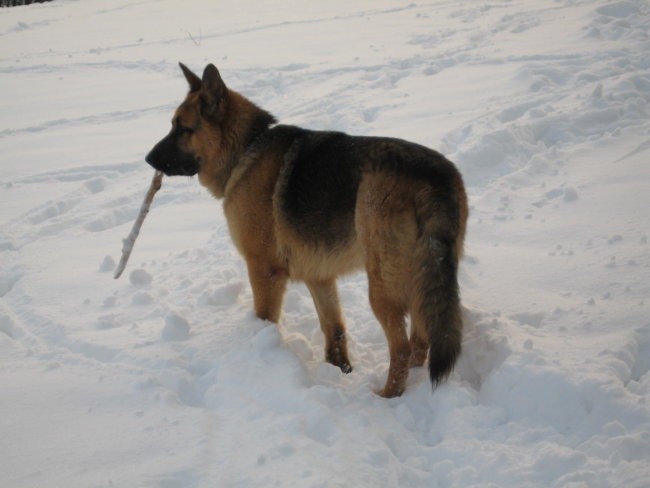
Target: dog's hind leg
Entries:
(387, 230)
(268, 283)
(391, 314)
(328, 309)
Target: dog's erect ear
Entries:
(213, 92)
(192, 79)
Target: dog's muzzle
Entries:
(168, 158)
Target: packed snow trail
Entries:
(166, 379)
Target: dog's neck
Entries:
(259, 123)
(245, 124)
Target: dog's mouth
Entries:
(173, 166)
(166, 157)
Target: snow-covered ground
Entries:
(164, 378)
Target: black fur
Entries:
(320, 182)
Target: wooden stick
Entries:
(127, 244)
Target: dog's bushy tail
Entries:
(441, 214)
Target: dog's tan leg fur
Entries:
(268, 283)
(391, 315)
(328, 309)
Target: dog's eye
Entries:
(180, 130)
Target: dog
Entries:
(310, 206)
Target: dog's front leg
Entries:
(268, 282)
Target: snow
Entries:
(166, 378)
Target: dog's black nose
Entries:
(153, 159)
(148, 158)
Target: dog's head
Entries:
(194, 139)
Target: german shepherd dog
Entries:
(312, 205)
